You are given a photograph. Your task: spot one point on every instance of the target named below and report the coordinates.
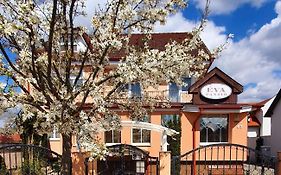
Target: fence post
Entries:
(278, 163)
(165, 162)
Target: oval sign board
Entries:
(216, 91)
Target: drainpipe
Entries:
(194, 142)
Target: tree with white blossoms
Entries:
(49, 76)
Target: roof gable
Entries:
(270, 110)
(216, 72)
(215, 87)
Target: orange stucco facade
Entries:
(237, 132)
(237, 122)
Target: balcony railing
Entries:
(163, 95)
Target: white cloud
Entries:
(278, 7)
(90, 8)
(212, 35)
(228, 6)
(251, 60)
(254, 59)
(176, 23)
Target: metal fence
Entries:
(227, 159)
(123, 159)
(22, 159)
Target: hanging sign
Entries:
(216, 91)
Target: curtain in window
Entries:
(214, 129)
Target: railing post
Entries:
(165, 162)
(278, 163)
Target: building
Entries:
(207, 109)
(154, 131)
(274, 114)
(257, 124)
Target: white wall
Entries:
(265, 129)
(252, 136)
(253, 132)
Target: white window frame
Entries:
(55, 135)
(215, 116)
(140, 166)
(112, 138)
(180, 91)
(140, 143)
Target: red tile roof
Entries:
(15, 138)
(157, 41)
(258, 104)
(253, 122)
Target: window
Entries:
(141, 135)
(55, 135)
(174, 89)
(214, 128)
(135, 90)
(112, 136)
(172, 121)
(79, 81)
(174, 92)
(140, 166)
(169, 120)
(187, 82)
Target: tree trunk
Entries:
(66, 154)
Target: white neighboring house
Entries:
(274, 114)
(258, 124)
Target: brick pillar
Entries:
(165, 162)
(278, 163)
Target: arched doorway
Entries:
(125, 159)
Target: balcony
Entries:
(163, 95)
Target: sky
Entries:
(252, 58)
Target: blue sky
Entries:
(253, 57)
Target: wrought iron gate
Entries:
(124, 160)
(22, 159)
(227, 159)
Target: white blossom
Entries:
(47, 61)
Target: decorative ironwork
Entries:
(227, 159)
(123, 160)
(22, 159)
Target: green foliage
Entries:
(33, 167)
(174, 122)
(3, 168)
(30, 133)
